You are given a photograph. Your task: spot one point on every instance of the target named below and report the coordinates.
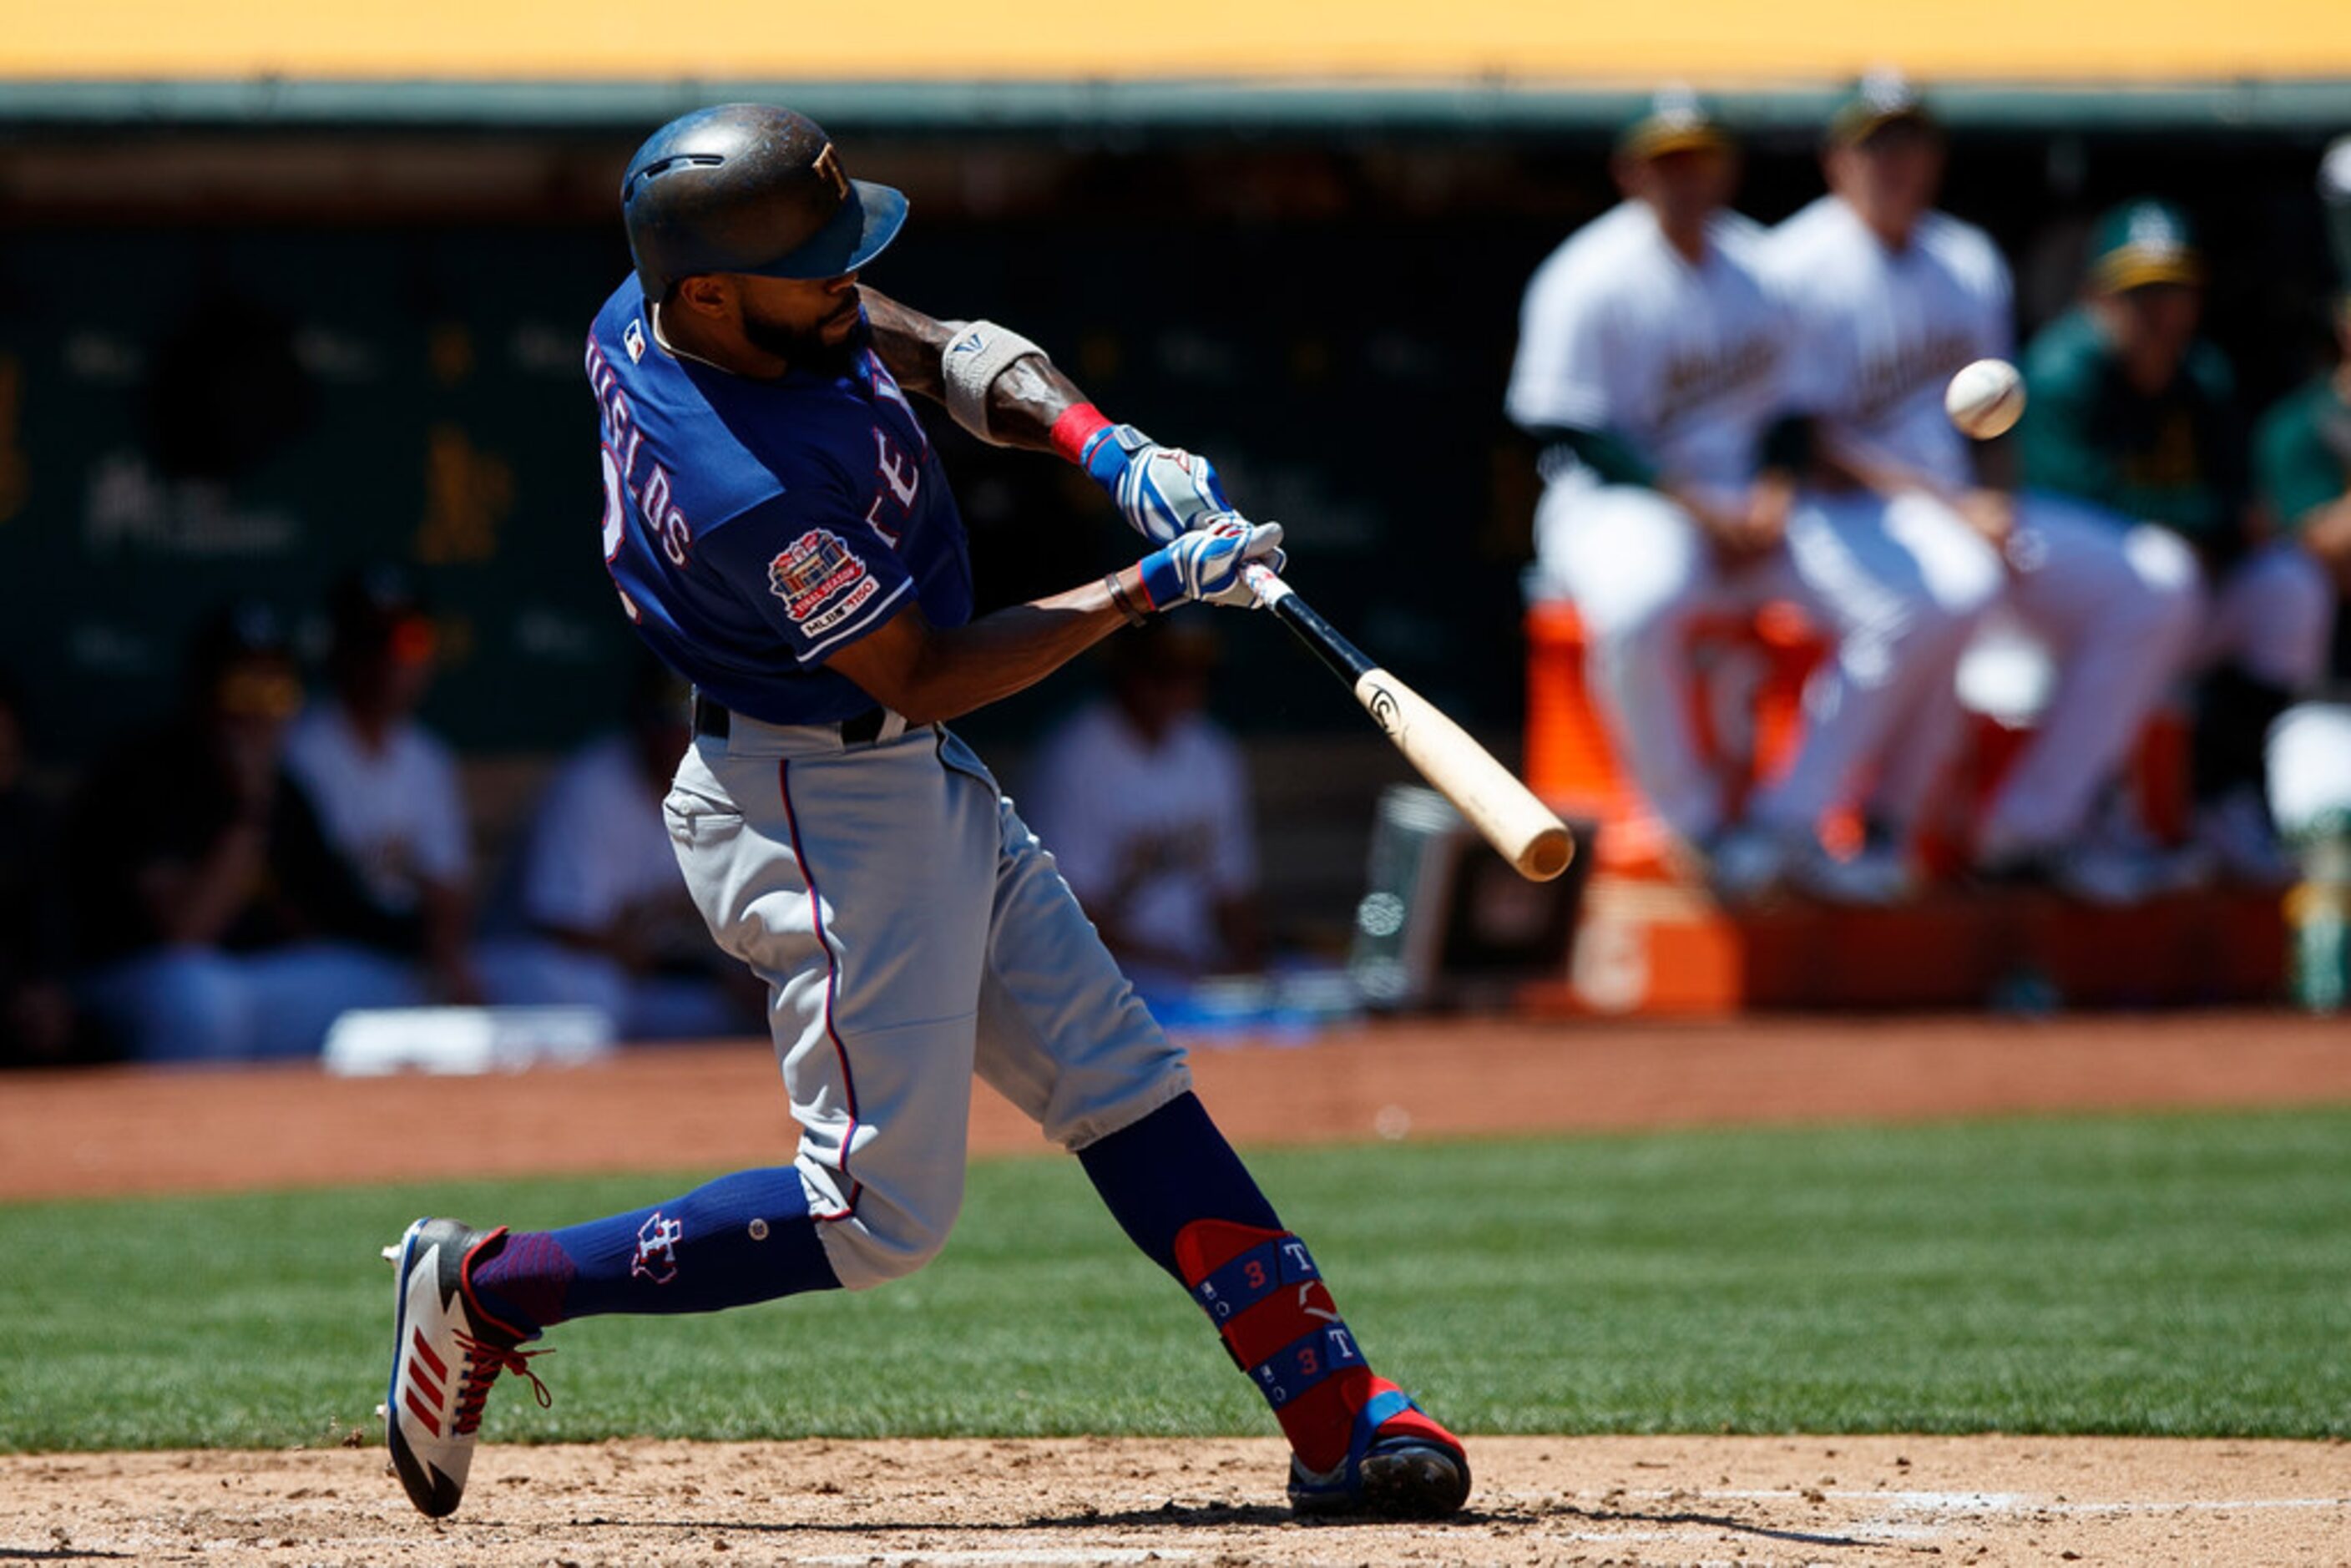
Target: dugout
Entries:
(266, 314)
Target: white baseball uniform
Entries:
(1158, 834)
(396, 812)
(1687, 364)
(1881, 333)
(597, 857)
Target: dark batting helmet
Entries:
(744, 187)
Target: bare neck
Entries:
(1687, 237)
(1894, 236)
(370, 724)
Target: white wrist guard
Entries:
(972, 360)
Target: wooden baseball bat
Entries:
(1526, 831)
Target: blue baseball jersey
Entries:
(756, 528)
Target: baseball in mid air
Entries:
(1985, 398)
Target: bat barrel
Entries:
(1527, 832)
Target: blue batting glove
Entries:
(1163, 492)
(1209, 564)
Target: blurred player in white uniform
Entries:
(1891, 298)
(385, 786)
(1655, 365)
(1146, 802)
(597, 914)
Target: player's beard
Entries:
(803, 348)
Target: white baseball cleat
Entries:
(449, 1350)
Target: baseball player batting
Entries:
(780, 532)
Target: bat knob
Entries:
(1547, 855)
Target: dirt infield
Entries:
(1840, 1500)
(1676, 1500)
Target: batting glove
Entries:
(1208, 563)
(1163, 492)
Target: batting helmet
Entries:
(744, 187)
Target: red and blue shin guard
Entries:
(1359, 1442)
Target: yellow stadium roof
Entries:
(1603, 41)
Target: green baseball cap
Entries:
(1879, 99)
(1676, 120)
(2141, 243)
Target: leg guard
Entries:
(1359, 1443)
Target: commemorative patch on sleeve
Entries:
(817, 570)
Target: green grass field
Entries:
(2170, 1275)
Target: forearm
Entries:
(967, 667)
(1024, 401)
(195, 905)
(928, 673)
(1610, 456)
(1003, 389)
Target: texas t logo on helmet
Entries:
(827, 163)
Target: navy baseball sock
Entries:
(742, 1239)
(1169, 1169)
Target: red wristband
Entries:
(1076, 424)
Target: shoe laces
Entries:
(485, 1359)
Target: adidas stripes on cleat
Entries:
(449, 1351)
(1400, 1464)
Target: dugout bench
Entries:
(1651, 940)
